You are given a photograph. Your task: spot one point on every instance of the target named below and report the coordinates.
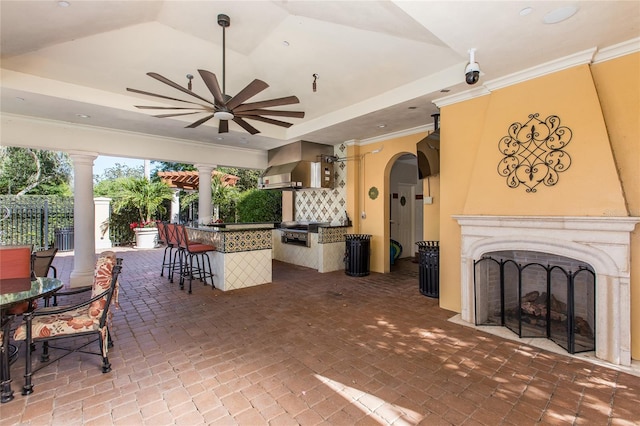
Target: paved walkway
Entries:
(310, 349)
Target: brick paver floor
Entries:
(310, 349)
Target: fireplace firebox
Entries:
(537, 295)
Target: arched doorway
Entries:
(405, 207)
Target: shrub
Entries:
(260, 206)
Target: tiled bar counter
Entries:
(243, 254)
(325, 252)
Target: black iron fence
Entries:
(34, 219)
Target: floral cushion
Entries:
(71, 322)
(101, 281)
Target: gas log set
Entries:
(533, 308)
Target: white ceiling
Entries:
(379, 62)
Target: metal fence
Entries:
(34, 219)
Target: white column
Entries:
(175, 206)
(83, 219)
(103, 241)
(204, 192)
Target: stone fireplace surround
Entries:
(602, 242)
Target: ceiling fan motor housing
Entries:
(224, 20)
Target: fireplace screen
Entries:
(537, 295)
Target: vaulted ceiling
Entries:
(380, 64)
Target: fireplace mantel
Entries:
(602, 242)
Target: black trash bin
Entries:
(356, 257)
(63, 239)
(429, 268)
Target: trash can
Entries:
(429, 268)
(356, 257)
(63, 239)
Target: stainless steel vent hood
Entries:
(298, 165)
(428, 151)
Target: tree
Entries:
(34, 172)
(147, 197)
(119, 171)
(248, 177)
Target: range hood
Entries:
(299, 165)
(428, 151)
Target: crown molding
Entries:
(398, 134)
(617, 50)
(589, 56)
(580, 58)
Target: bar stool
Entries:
(164, 240)
(172, 239)
(190, 251)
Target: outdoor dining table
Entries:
(12, 297)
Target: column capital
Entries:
(83, 156)
(203, 168)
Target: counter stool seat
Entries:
(190, 251)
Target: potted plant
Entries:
(147, 198)
(146, 234)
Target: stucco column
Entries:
(83, 219)
(175, 206)
(204, 192)
(103, 241)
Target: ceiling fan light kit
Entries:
(224, 108)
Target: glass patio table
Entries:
(13, 295)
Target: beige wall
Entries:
(601, 106)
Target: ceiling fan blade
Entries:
(223, 127)
(295, 114)
(176, 114)
(142, 92)
(177, 86)
(248, 127)
(269, 120)
(211, 81)
(159, 107)
(255, 87)
(199, 122)
(289, 100)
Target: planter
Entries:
(146, 238)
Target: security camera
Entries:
(472, 71)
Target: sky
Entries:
(103, 162)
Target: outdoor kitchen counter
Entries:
(324, 253)
(243, 253)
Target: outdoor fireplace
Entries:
(596, 250)
(537, 295)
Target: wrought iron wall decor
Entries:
(534, 152)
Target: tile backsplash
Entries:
(325, 205)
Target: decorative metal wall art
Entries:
(534, 152)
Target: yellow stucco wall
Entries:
(599, 103)
(376, 168)
(589, 187)
(618, 85)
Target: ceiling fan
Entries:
(224, 107)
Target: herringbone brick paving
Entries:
(310, 349)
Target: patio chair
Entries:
(89, 318)
(41, 262)
(190, 251)
(41, 265)
(15, 273)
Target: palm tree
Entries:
(147, 197)
(222, 193)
